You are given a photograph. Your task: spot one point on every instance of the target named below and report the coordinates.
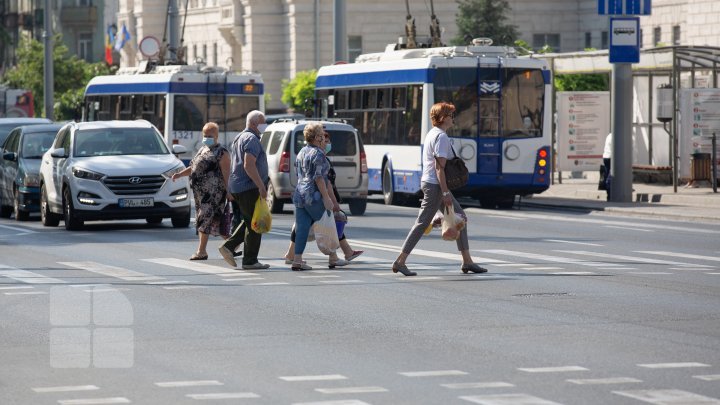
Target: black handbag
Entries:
(456, 173)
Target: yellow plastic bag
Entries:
(261, 219)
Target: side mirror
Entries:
(58, 153)
(10, 156)
(178, 149)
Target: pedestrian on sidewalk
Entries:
(248, 177)
(209, 172)
(437, 148)
(607, 156)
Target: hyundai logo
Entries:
(135, 180)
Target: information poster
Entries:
(700, 118)
(583, 123)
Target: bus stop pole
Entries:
(621, 161)
(714, 163)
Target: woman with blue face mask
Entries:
(209, 172)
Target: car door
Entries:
(345, 157)
(50, 168)
(9, 166)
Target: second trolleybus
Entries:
(502, 127)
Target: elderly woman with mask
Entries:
(311, 196)
(209, 171)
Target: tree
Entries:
(71, 75)
(295, 92)
(484, 19)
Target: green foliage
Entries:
(299, 89)
(484, 19)
(580, 82)
(524, 48)
(70, 74)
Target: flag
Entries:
(109, 39)
(122, 37)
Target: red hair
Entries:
(440, 111)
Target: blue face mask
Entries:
(209, 141)
(328, 147)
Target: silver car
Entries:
(282, 141)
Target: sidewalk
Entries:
(649, 200)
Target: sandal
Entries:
(472, 267)
(300, 267)
(354, 254)
(196, 256)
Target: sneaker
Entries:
(227, 254)
(338, 263)
(354, 254)
(256, 266)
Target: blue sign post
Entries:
(624, 39)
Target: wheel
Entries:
(389, 195)
(182, 221)
(488, 202)
(154, 220)
(20, 215)
(72, 223)
(506, 203)
(46, 216)
(357, 206)
(5, 211)
(275, 205)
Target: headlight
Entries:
(168, 174)
(31, 180)
(86, 174)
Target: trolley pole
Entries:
(340, 31)
(49, 90)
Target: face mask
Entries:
(209, 141)
(262, 128)
(328, 147)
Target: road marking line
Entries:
(541, 268)
(340, 402)
(712, 273)
(617, 268)
(244, 279)
(628, 258)
(112, 271)
(628, 228)
(351, 390)
(67, 388)
(513, 264)
(683, 255)
(663, 397)
(573, 242)
(26, 293)
(432, 373)
(712, 377)
(647, 272)
(196, 383)
(13, 228)
(19, 287)
(422, 252)
(278, 283)
(460, 386)
(573, 273)
(184, 287)
(610, 380)
(324, 377)
(94, 401)
(322, 276)
(387, 273)
(224, 395)
(673, 365)
(560, 369)
(507, 399)
(547, 258)
(167, 282)
(339, 281)
(420, 278)
(689, 268)
(102, 290)
(198, 267)
(29, 277)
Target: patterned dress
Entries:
(209, 190)
(310, 165)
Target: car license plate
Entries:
(135, 202)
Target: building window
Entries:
(676, 35)
(657, 36)
(84, 46)
(354, 47)
(588, 40)
(551, 40)
(604, 40)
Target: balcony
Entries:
(84, 15)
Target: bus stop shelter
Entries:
(681, 67)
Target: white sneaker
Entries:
(227, 254)
(337, 263)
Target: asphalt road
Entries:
(577, 308)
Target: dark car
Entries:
(8, 124)
(20, 157)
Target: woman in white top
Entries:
(437, 149)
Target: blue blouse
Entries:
(310, 164)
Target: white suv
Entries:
(283, 139)
(108, 170)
